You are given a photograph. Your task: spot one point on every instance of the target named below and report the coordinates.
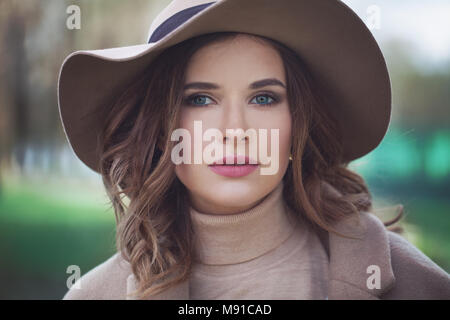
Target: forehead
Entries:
(239, 59)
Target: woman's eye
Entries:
(198, 100)
(202, 100)
(264, 99)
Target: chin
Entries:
(234, 193)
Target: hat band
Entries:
(175, 21)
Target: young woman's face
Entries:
(234, 100)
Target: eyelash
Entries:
(275, 99)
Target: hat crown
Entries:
(172, 16)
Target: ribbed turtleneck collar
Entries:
(236, 238)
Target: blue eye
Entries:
(197, 100)
(265, 99)
(202, 100)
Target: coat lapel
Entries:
(356, 264)
(352, 262)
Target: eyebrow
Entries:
(255, 85)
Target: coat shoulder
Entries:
(416, 275)
(107, 281)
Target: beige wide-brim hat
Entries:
(330, 38)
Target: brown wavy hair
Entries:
(154, 232)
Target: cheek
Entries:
(280, 119)
(184, 173)
(192, 175)
(186, 120)
(285, 125)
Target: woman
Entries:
(200, 214)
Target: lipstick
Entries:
(234, 166)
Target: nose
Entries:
(234, 124)
(238, 133)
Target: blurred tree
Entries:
(421, 94)
(17, 85)
(34, 41)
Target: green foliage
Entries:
(41, 235)
(431, 225)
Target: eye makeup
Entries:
(275, 98)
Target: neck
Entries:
(204, 207)
(235, 238)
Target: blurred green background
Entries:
(53, 209)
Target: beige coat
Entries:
(354, 266)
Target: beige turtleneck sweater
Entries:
(261, 253)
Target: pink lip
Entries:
(236, 159)
(232, 168)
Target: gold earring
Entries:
(290, 157)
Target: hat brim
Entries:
(331, 39)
